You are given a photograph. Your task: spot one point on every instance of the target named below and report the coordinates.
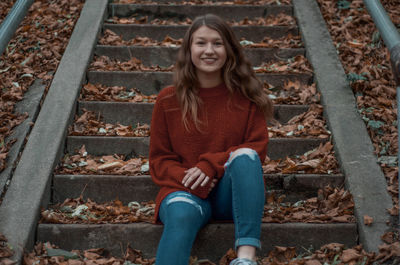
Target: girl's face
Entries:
(208, 52)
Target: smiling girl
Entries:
(208, 138)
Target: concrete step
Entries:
(181, 12)
(159, 32)
(212, 241)
(136, 146)
(105, 188)
(166, 56)
(129, 113)
(152, 82)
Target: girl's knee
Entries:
(246, 153)
(185, 210)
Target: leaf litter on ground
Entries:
(74, 211)
(306, 125)
(297, 64)
(33, 53)
(90, 124)
(272, 20)
(98, 92)
(367, 64)
(83, 163)
(309, 124)
(6, 251)
(111, 38)
(333, 254)
(291, 93)
(332, 205)
(320, 160)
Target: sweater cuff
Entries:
(207, 169)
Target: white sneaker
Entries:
(241, 261)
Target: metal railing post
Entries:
(12, 21)
(391, 37)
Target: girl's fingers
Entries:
(189, 173)
(200, 178)
(205, 181)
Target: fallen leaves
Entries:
(97, 92)
(332, 205)
(318, 161)
(111, 38)
(34, 52)
(49, 254)
(388, 251)
(73, 211)
(368, 220)
(298, 64)
(333, 253)
(104, 63)
(82, 163)
(275, 20)
(289, 41)
(90, 124)
(367, 64)
(309, 124)
(293, 93)
(6, 252)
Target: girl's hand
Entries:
(195, 174)
(212, 185)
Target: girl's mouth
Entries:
(209, 60)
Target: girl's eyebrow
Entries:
(203, 38)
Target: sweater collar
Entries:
(213, 91)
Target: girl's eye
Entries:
(219, 44)
(200, 43)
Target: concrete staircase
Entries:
(216, 238)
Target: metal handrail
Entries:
(12, 21)
(391, 37)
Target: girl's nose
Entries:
(209, 49)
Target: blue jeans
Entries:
(239, 195)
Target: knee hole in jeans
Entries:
(187, 200)
(252, 154)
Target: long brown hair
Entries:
(237, 72)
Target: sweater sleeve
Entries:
(256, 138)
(165, 165)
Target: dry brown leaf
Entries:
(368, 220)
(388, 238)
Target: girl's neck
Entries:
(209, 80)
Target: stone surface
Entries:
(166, 56)
(353, 146)
(253, 33)
(30, 104)
(278, 148)
(181, 12)
(106, 188)
(212, 242)
(152, 82)
(29, 189)
(127, 113)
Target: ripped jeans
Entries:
(239, 195)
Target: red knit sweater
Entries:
(229, 122)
